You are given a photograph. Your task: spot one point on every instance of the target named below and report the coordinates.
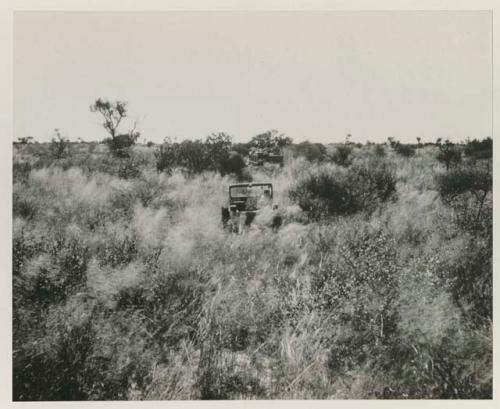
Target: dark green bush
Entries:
(189, 155)
(58, 275)
(324, 193)
(217, 149)
(234, 164)
(120, 145)
(449, 154)
(466, 179)
(197, 156)
(166, 156)
(469, 279)
(192, 156)
(441, 369)
(59, 146)
(467, 191)
(54, 367)
(21, 171)
(404, 149)
(270, 140)
(379, 150)
(313, 152)
(84, 355)
(342, 155)
(171, 302)
(242, 148)
(360, 285)
(219, 378)
(24, 205)
(129, 168)
(479, 149)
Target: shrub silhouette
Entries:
(313, 152)
(404, 149)
(234, 164)
(242, 148)
(467, 190)
(467, 179)
(479, 149)
(322, 195)
(323, 192)
(449, 154)
(214, 153)
(270, 140)
(120, 145)
(342, 155)
(59, 146)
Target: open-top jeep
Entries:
(245, 201)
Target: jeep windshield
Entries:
(251, 191)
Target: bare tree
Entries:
(112, 112)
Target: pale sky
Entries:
(311, 75)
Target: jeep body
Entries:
(244, 202)
(259, 157)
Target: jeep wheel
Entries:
(225, 216)
(277, 222)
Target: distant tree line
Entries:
(213, 153)
(218, 152)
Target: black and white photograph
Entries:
(252, 205)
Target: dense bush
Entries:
(467, 179)
(467, 191)
(269, 140)
(404, 149)
(342, 155)
(234, 164)
(21, 171)
(165, 156)
(214, 153)
(322, 195)
(326, 191)
(378, 284)
(360, 285)
(242, 148)
(449, 154)
(479, 149)
(313, 152)
(59, 146)
(379, 150)
(120, 145)
(189, 155)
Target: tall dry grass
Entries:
(127, 287)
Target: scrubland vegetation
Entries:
(377, 285)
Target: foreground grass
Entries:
(126, 287)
